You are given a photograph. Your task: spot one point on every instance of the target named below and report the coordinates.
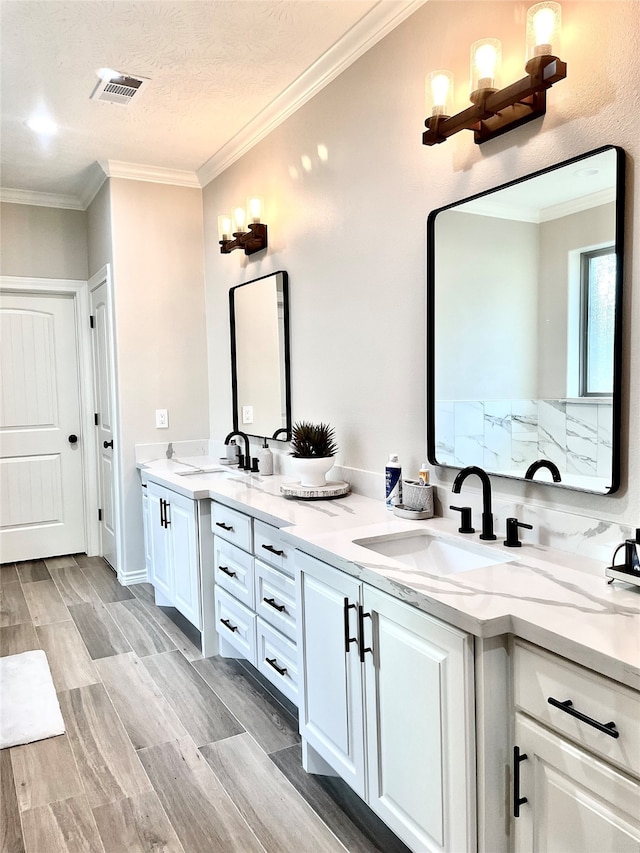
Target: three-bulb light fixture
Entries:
(242, 229)
(495, 111)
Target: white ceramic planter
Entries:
(312, 471)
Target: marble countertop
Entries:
(558, 600)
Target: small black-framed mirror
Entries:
(260, 357)
(524, 326)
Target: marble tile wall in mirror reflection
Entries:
(508, 326)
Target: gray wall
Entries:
(43, 242)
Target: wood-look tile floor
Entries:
(165, 751)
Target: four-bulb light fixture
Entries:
(495, 111)
(242, 229)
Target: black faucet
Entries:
(487, 514)
(543, 463)
(245, 462)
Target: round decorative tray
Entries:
(333, 489)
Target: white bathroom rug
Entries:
(29, 707)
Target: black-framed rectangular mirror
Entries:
(524, 322)
(260, 361)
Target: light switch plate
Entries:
(162, 418)
(247, 414)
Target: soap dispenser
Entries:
(265, 460)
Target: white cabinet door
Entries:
(146, 527)
(575, 803)
(183, 533)
(331, 705)
(420, 724)
(160, 575)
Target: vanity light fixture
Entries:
(242, 229)
(495, 111)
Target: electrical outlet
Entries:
(247, 414)
(162, 419)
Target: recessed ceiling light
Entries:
(107, 73)
(586, 173)
(42, 125)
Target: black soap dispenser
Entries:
(629, 571)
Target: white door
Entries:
(420, 742)
(41, 454)
(161, 570)
(105, 416)
(331, 704)
(574, 802)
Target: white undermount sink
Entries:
(425, 552)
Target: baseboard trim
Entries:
(129, 578)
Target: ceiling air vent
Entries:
(119, 89)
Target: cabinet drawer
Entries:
(277, 660)
(232, 525)
(236, 624)
(539, 676)
(269, 547)
(234, 570)
(276, 598)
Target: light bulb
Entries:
(239, 220)
(254, 208)
(438, 89)
(486, 56)
(543, 29)
(224, 226)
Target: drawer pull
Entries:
(224, 526)
(517, 799)
(227, 571)
(272, 603)
(273, 550)
(282, 670)
(228, 625)
(567, 707)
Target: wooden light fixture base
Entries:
(252, 241)
(504, 110)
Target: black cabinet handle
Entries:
(161, 505)
(517, 799)
(347, 639)
(72, 439)
(223, 525)
(282, 670)
(228, 625)
(272, 603)
(273, 550)
(105, 444)
(166, 517)
(567, 707)
(361, 646)
(227, 571)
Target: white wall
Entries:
(351, 231)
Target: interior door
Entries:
(104, 405)
(41, 454)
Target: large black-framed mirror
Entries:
(260, 359)
(524, 326)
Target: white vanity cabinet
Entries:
(174, 555)
(255, 596)
(386, 700)
(576, 785)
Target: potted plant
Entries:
(313, 447)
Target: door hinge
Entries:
(96, 418)
(99, 515)
(91, 321)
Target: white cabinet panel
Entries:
(276, 598)
(234, 570)
(236, 625)
(277, 659)
(575, 803)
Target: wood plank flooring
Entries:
(165, 751)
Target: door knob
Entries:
(72, 439)
(107, 444)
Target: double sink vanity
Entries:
(423, 663)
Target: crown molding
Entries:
(11, 196)
(577, 205)
(152, 174)
(362, 36)
(92, 185)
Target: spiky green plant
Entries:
(312, 440)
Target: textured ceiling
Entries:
(213, 67)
